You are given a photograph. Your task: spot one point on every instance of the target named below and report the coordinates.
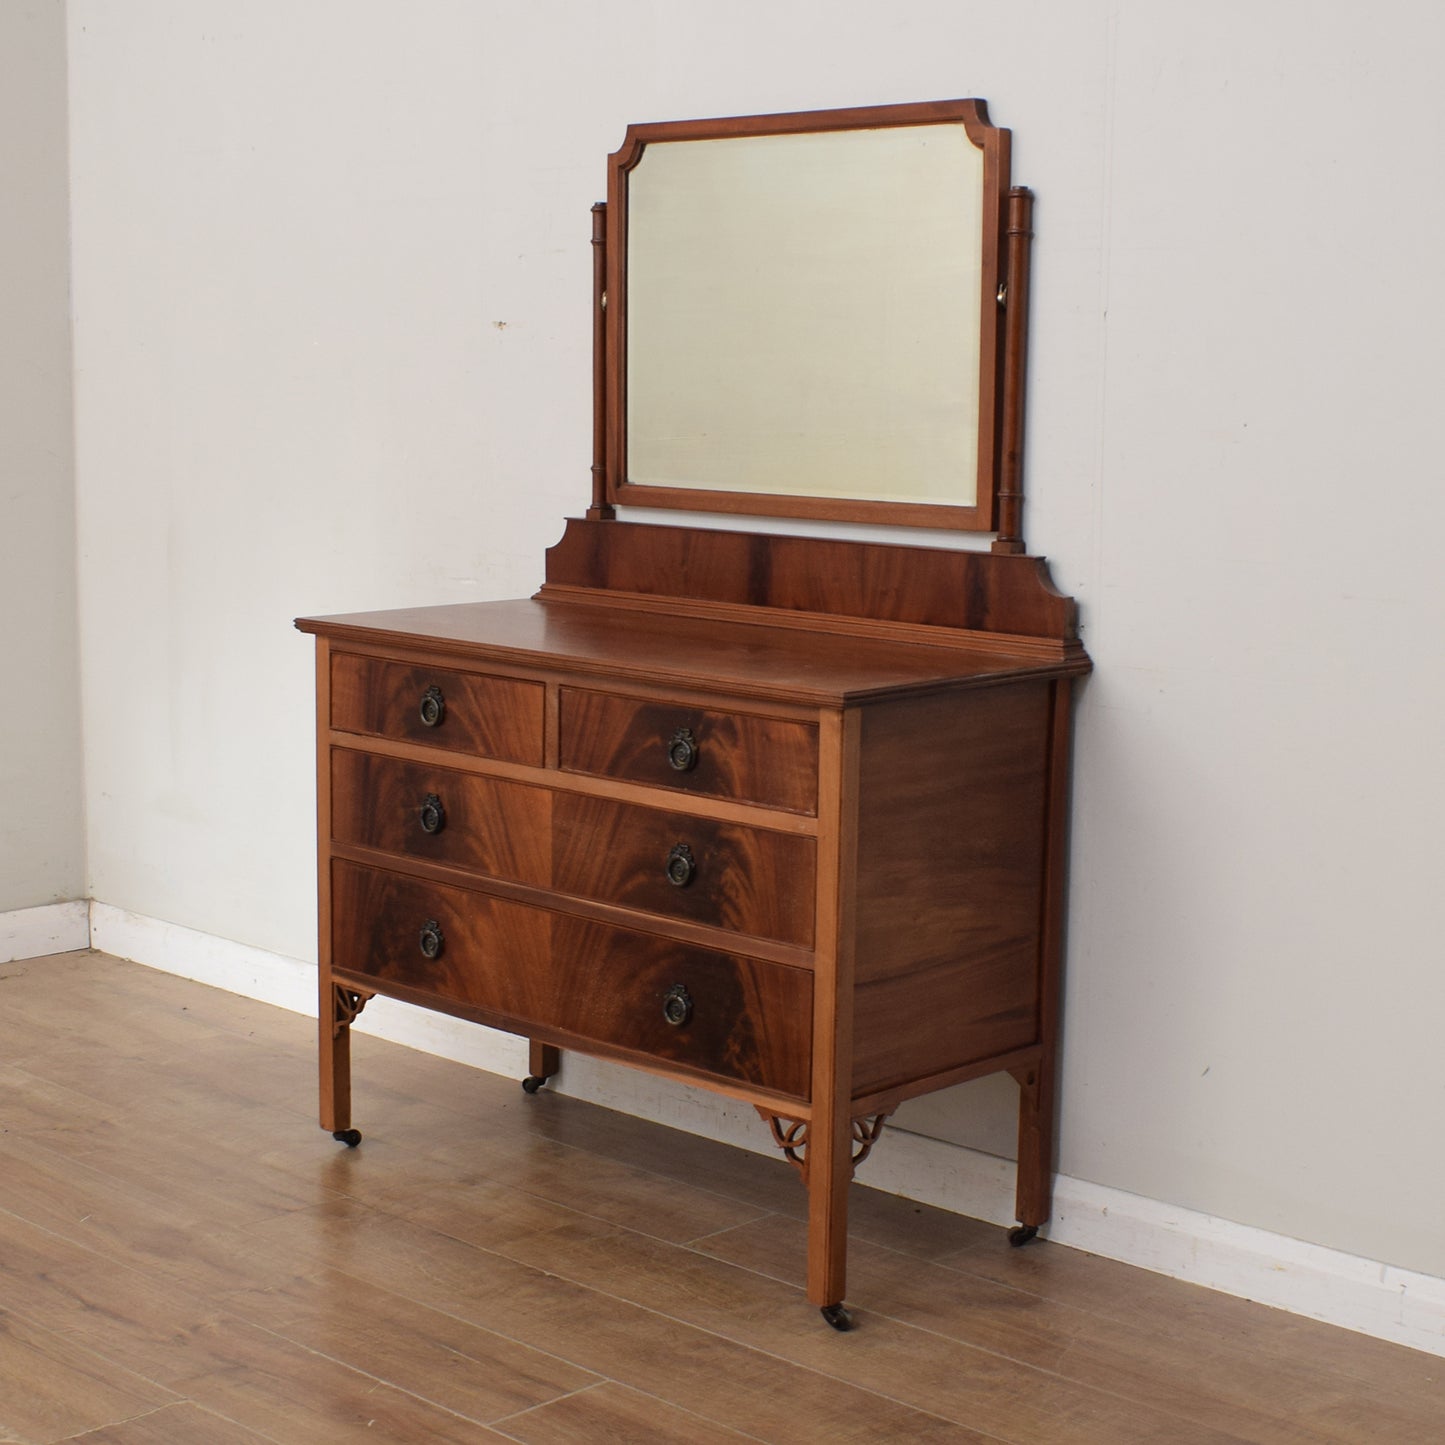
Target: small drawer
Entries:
(465, 712)
(529, 969)
(719, 754)
(747, 880)
(442, 815)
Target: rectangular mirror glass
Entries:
(803, 314)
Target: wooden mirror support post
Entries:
(1013, 296)
(601, 509)
(784, 817)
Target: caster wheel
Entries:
(350, 1137)
(1021, 1234)
(532, 1083)
(837, 1316)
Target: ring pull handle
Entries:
(677, 1005)
(432, 814)
(681, 866)
(433, 707)
(431, 940)
(682, 751)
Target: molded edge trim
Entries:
(1368, 1296)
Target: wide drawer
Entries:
(747, 880)
(710, 751)
(466, 712)
(530, 969)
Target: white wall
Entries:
(332, 279)
(42, 841)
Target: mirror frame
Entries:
(995, 339)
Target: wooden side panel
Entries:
(745, 879)
(539, 972)
(492, 717)
(951, 853)
(738, 755)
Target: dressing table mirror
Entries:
(780, 816)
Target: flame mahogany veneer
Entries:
(778, 816)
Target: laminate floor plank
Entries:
(990, 1392)
(1200, 1317)
(186, 1256)
(613, 1412)
(134, 1155)
(475, 1372)
(183, 1424)
(35, 1107)
(694, 1368)
(1206, 1379)
(54, 1388)
(600, 1188)
(290, 1394)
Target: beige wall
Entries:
(42, 844)
(332, 278)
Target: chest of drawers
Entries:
(698, 809)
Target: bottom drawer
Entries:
(722, 1014)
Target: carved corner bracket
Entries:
(791, 1136)
(346, 1003)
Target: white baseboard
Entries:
(51, 928)
(1307, 1279)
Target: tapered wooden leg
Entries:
(829, 1167)
(338, 1007)
(829, 1172)
(1035, 1187)
(543, 1060)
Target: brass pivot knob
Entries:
(432, 814)
(433, 707)
(431, 939)
(682, 751)
(677, 1005)
(681, 866)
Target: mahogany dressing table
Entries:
(780, 816)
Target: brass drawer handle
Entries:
(432, 814)
(681, 866)
(677, 1005)
(433, 707)
(682, 751)
(432, 941)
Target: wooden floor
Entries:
(185, 1257)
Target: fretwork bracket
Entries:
(346, 1003)
(791, 1136)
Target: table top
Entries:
(753, 657)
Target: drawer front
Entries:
(747, 880)
(738, 1018)
(466, 712)
(441, 815)
(694, 749)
